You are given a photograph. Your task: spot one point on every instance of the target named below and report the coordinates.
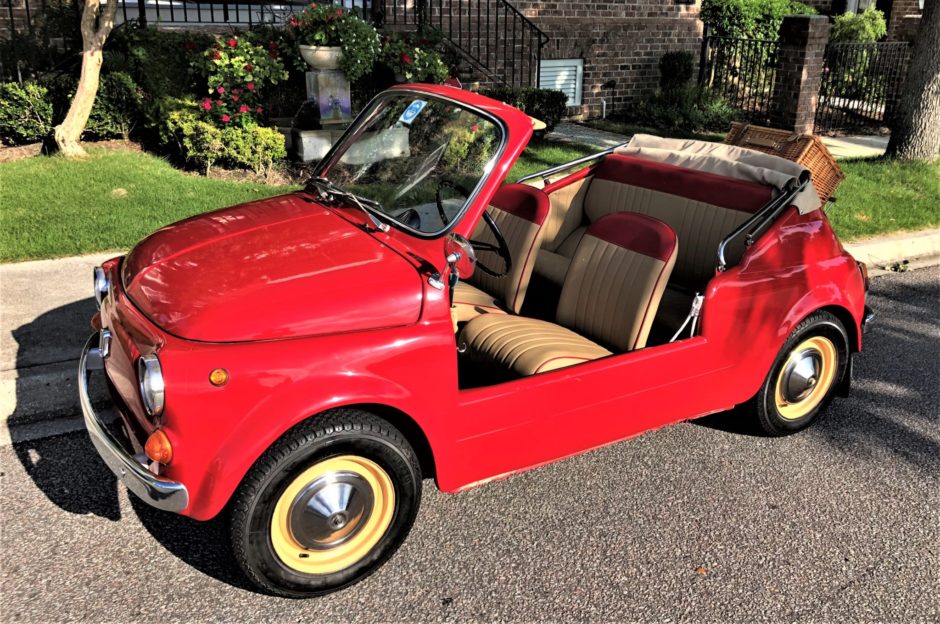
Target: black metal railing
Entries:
(742, 71)
(492, 35)
(860, 86)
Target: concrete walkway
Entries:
(840, 147)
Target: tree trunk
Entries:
(69, 132)
(915, 134)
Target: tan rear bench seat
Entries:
(701, 207)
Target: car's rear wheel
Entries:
(804, 376)
(326, 505)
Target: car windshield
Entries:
(415, 161)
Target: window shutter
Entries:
(564, 75)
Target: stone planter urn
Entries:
(322, 57)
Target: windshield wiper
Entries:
(328, 190)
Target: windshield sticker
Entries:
(413, 110)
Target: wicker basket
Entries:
(805, 149)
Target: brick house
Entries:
(617, 44)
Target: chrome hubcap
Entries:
(330, 510)
(801, 375)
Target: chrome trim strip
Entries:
(545, 174)
(153, 490)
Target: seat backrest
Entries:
(616, 279)
(519, 211)
(702, 208)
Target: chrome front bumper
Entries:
(153, 490)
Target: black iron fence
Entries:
(491, 34)
(860, 86)
(742, 71)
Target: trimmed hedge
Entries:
(547, 105)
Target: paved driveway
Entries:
(696, 522)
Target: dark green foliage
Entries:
(117, 108)
(675, 70)
(866, 27)
(158, 60)
(690, 110)
(752, 19)
(547, 105)
(25, 113)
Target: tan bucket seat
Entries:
(608, 301)
(519, 211)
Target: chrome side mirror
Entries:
(460, 256)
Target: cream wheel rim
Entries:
(332, 515)
(805, 377)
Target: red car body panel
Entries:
(407, 366)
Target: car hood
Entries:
(282, 267)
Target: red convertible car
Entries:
(307, 360)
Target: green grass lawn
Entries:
(880, 196)
(52, 207)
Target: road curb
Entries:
(898, 252)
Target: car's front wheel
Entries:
(326, 505)
(804, 376)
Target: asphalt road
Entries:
(696, 522)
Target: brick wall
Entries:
(619, 41)
(801, 57)
(904, 21)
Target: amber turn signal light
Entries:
(218, 377)
(158, 447)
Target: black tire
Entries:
(772, 415)
(330, 437)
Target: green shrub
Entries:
(866, 27)
(159, 61)
(202, 144)
(331, 25)
(414, 59)
(25, 113)
(547, 105)
(675, 70)
(690, 110)
(253, 147)
(117, 107)
(753, 19)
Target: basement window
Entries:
(564, 75)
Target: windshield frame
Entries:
(366, 116)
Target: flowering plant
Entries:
(330, 25)
(238, 71)
(414, 61)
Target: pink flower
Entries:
(221, 89)
(242, 109)
(258, 110)
(407, 60)
(250, 86)
(339, 12)
(226, 118)
(218, 102)
(207, 104)
(474, 127)
(234, 98)
(248, 67)
(215, 56)
(232, 43)
(236, 91)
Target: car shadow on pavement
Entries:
(46, 359)
(67, 469)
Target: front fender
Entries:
(219, 433)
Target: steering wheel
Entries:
(501, 248)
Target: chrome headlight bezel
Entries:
(151, 384)
(102, 285)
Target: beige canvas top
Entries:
(728, 160)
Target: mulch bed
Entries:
(9, 154)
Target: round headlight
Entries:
(102, 285)
(152, 388)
